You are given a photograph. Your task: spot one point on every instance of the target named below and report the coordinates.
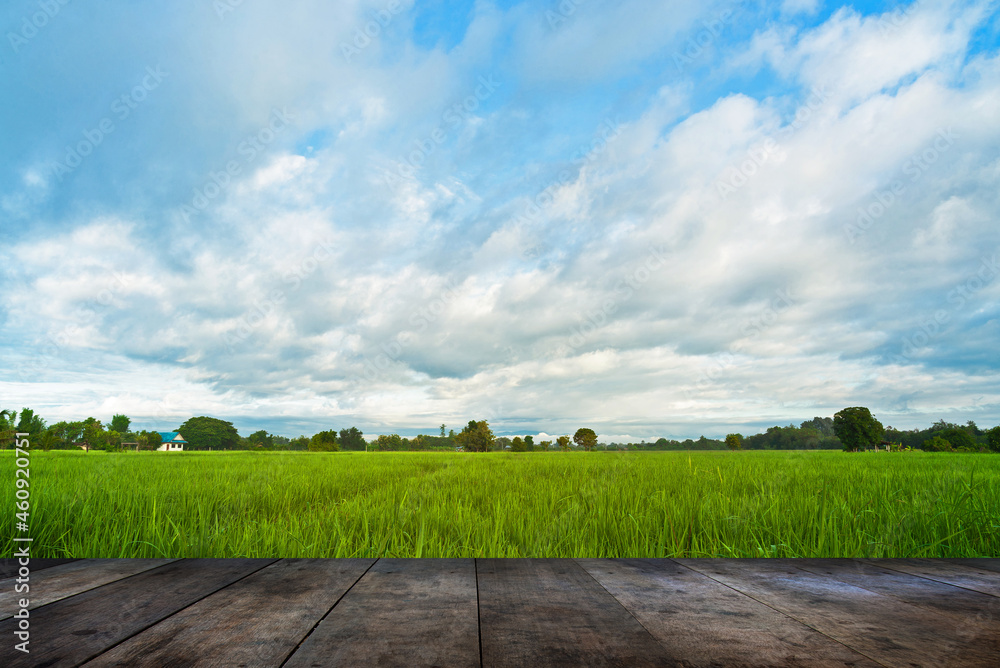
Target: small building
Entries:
(172, 441)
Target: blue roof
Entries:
(166, 436)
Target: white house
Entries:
(172, 441)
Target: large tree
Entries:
(529, 443)
(857, 428)
(563, 443)
(202, 433)
(29, 423)
(585, 438)
(734, 441)
(518, 445)
(324, 441)
(993, 439)
(352, 439)
(476, 436)
(120, 423)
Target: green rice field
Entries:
(654, 504)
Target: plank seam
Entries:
(927, 577)
(327, 614)
(886, 593)
(666, 649)
(149, 626)
(782, 612)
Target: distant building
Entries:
(172, 441)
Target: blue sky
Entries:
(650, 218)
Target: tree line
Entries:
(851, 429)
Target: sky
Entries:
(653, 219)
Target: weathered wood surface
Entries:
(9, 567)
(885, 629)
(259, 620)
(960, 575)
(710, 624)
(403, 612)
(551, 612)
(75, 629)
(70, 578)
(301, 613)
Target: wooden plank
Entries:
(882, 628)
(403, 612)
(968, 577)
(67, 579)
(9, 567)
(979, 564)
(75, 629)
(551, 612)
(257, 621)
(878, 576)
(710, 624)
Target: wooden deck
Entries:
(506, 612)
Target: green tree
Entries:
(389, 443)
(260, 440)
(148, 440)
(529, 443)
(7, 418)
(518, 445)
(203, 433)
(563, 443)
(734, 441)
(857, 428)
(324, 441)
(545, 445)
(119, 423)
(476, 436)
(959, 438)
(30, 424)
(993, 439)
(300, 443)
(936, 444)
(442, 431)
(94, 436)
(585, 438)
(352, 439)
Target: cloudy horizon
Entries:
(651, 219)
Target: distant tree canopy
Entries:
(529, 443)
(202, 433)
(585, 438)
(563, 443)
(352, 439)
(993, 439)
(734, 441)
(518, 445)
(476, 436)
(260, 439)
(857, 429)
(120, 423)
(324, 441)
